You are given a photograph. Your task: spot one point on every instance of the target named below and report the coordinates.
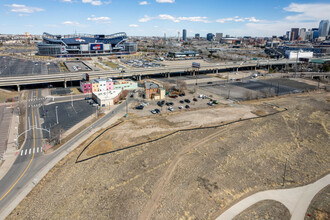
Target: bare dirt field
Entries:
(320, 206)
(194, 174)
(268, 209)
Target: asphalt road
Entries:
(28, 164)
(31, 151)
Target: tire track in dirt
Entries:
(153, 202)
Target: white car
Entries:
(180, 107)
(170, 109)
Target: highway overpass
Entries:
(139, 73)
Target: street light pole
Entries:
(56, 114)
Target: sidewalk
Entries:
(297, 199)
(11, 152)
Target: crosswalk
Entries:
(31, 151)
(39, 99)
(35, 105)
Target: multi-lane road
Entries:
(64, 77)
(31, 160)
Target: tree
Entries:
(182, 85)
(166, 86)
(56, 134)
(123, 94)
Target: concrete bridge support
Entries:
(64, 83)
(168, 75)
(18, 88)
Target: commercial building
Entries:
(302, 34)
(184, 35)
(209, 36)
(230, 40)
(315, 32)
(182, 54)
(324, 28)
(126, 84)
(85, 45)
(294, 34)
(197, 36)
(218, 36)
(153, 91)
(106, 98)
(290, 54)
(97, 85)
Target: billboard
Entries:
(96, 47)
(196, 65)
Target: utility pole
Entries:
(56, 115)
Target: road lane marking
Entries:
(37, 149)
(30, 151)
(34, 144)
(33, 150)
(25, 151)
(21, 152)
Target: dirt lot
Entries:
(193, 174)
(320, 206)
(268, 209)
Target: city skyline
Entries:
(157, 17)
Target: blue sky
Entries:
(156, 17)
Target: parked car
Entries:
(160, 104)
(157, 110)
(141, 107)
(88, 98)
(187, 100)
(195, 100)
(187, 106)
(153, 112)
(210, 103)
(215, 102)
(95, 105)
(170, 109)
(181, 101)
(180, 107)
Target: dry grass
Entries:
(195, 174)
(76, 91)
(7, 96)
(62, 67)
(111, 64)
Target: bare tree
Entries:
(56, 134)
(182, 85)
(123, 94)
(248, 95)
(166, 86)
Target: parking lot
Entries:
(256, 88)
(77, 66)
(178, 104)
(68, 116)
(10, 66)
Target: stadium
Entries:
(85, 45)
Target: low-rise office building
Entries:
(106, 98)
(153, 91)
(126, 84)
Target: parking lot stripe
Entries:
(25, 151)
